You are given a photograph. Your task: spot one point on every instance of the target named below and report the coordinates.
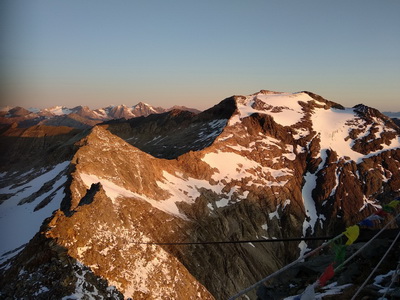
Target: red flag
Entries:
(381, 213)
(328, 274)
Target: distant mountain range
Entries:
(395, 116)
(83, 117)
(391, 114)
(80, 116)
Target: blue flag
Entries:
(366, 222)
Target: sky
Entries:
(196, 53)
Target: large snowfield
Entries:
(19, 223)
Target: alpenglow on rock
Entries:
(97, 203)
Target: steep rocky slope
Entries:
(268, 165)
(171, 134)
(22, 149)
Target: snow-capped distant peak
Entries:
(116, 107)
(34, 110)
(59, 110)
(142, 104)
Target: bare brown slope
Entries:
(22, 148)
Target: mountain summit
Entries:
(269, 165)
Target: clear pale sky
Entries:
(196, 53)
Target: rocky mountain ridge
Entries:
(268, 165)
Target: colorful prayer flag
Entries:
(394, 203)
(366, 222)
(352, 234)
(381, 213)
(328, 274)
(388, 208)
(374, 218)
(340, 253)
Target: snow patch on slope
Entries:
(283, 107)
(231, 166)
(290, 111)
(216, 127)
(335, 125)
(309, 204)
(112, 190)
(19, 223)
(180, 190)
(189, 189)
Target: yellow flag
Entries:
(352, 233)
